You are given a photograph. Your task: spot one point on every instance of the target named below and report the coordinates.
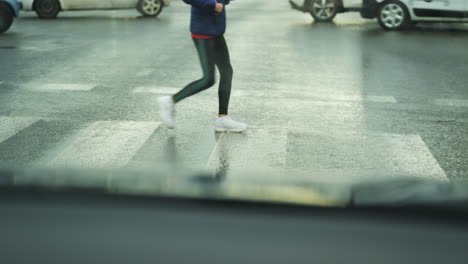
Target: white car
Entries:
(51, 8)
(399, 14)
(325, 10)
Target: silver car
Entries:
(51, 8)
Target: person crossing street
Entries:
(207, 26)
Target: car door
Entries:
(85, 4)
(119, 4)
(352, 3)
(439, 9)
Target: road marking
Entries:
(276, 93)
(414, 157)
(380, 99)
(257, 93)
(32, 48)
(145, 72)
(451, 102)
(355, 98)
(51, 87)
(350, 156)
(316, 96)
(105, 144)
(10, 126)
(156, 89)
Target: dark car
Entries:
(8, 10)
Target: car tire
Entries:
(393, 15)
(47, 8)
(323, 10)
(6, 17)
(150, 8)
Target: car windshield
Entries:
(301, 101)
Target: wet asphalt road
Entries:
(342, 101)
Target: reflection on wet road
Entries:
(225, 153)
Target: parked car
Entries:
(8, 10)
(325, 10)
(399, 14)
(51, 8)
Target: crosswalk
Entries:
(305, 93)
(311, 94)
(9, 126)
(54, 87)
(155, 90)
(279, 150)
(451, 102)
(274, 153)
(105, 144)
(357, 155)
(257, 93)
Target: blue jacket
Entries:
(204, 20)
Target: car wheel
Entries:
(393, 15)
(6, 18)
(150, 8)
(47, 8)
(323, 10)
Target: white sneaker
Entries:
(226, 124)
(166, 110)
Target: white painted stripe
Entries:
(9, 126)
(380, 99)
(256, 93)
(35, 48)
(317, 96)
(356, 98)
(156, 89)
(60, 87)
(145, 72)
(451, 102)
(365, 156)
(414, 157)
(105, 144)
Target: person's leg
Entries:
(205, 49)
(223, 62)
(224, 123)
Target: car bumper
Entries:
(369, 9)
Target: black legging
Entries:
(213, 51)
